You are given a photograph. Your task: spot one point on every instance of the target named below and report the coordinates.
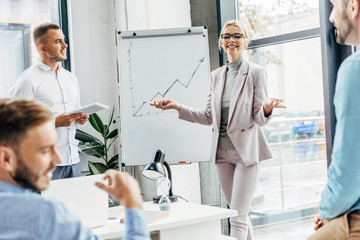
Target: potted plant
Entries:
(99, 147)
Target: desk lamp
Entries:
(155, 170)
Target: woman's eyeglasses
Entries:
(236, 36)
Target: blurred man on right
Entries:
(339, 216)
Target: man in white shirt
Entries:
(47, 82)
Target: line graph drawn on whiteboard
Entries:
(162, 64)
(136, 109)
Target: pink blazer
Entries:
(246, 112)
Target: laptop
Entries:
(81, 195)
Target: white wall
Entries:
(94, 50)
(93, 33)
(93, 55)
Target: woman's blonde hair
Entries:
(234, 23)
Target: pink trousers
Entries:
(238, 184)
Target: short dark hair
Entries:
(17, 116)
(41, 30)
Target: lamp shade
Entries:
(154, 171)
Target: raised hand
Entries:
(272, 103)
(166, 104)
(122, 187)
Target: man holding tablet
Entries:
(49, 83)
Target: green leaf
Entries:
(96, 168)
(110, 120)
(92, 146)
(96, 151)
(113, 134)
(106, 129)
(110, 142)
(97, 124)
(113, 162)
(115, 166)
(85, 137)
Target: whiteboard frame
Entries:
(201, 30)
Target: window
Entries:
(17, 21)
(286, 41)
(272, 17)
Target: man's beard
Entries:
(25, 177)
(342, 34)
(57, 59)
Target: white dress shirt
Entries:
(60, 93)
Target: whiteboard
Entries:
(162, 64)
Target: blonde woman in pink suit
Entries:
(237, 107)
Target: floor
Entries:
(294, 230)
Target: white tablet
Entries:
(89, 109)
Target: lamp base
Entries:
(173, 198)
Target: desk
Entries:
(185, 221)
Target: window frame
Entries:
(26, 33)
(284, 38)
(64, 25)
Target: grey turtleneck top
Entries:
(232, 72)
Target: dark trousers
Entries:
(69, 171)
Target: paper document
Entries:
(89, 109)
